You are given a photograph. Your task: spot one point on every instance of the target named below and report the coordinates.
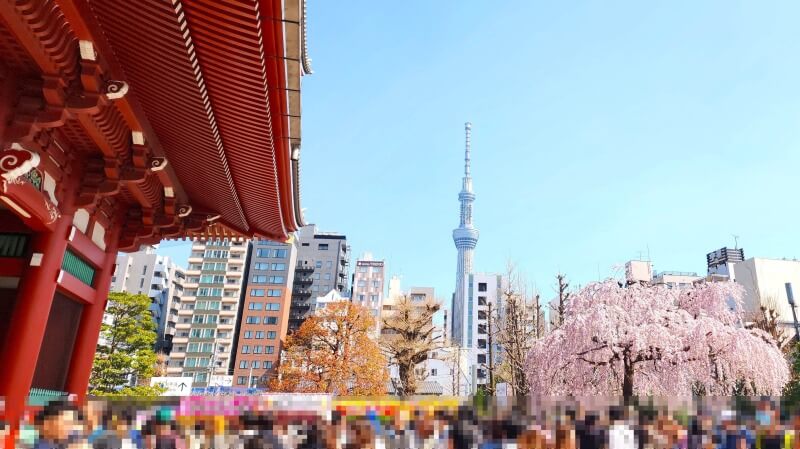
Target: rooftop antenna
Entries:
(648, 253)
(736, 241)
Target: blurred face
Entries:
(57, 427)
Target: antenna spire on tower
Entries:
(468, 131)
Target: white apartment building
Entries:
(767, 282)
(204, 342)
(470, 328)
(147, 273)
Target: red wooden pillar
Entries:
(34, 298)
(80, 367)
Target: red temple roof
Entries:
(212, 88)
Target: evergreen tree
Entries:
(791, 392)
(125, 352)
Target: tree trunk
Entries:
(627, 378)
(407, 379)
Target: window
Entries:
(212, 279)
(211, 319)
(270, 349)
(482, 329)
(260, 279)
(191, 362)
(316, 275)
(243, 364)
(246, 349)
(195, 333)
(375, 284)
(482, 344)
(268, 364)
(433, 372)
(273, 294)
(201, 305)
(254, 364)
(216, 254)
(144, 270)
(481, 373)
(141, 282)
(362, 284)
(214, 266)
(198, 319)
(252, 320)
(241, 380)
(187, 306)
(323, 246)
(279, 267)
(200, 377)
(259, 335)
(304, 244)
(257, 350)
(481, 358)
(273, 306)
(327, 276)
(192, 347)
(256, 292)
(255, 306)
(248, 334)
(280, 253)
(361, 298)
(261, 266)
(271, 335)
(373, 298)
(319, 264)
(270, 320)
(205, 291)
(213, 305)
(262, 252)
(276, 279)
(481, 314)
(481, 286)
(363, 269)
(208, 333)
(329, 264)
(481, 300)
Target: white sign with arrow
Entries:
(176, 386)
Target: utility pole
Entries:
(211, 362)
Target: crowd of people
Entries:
(564, 424)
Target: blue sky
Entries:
(600, 130)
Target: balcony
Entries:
(304, 281)
(304, 269)
(301, 292)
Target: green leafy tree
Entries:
(125, 351)
(791, 392)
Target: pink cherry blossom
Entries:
(652, 340)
